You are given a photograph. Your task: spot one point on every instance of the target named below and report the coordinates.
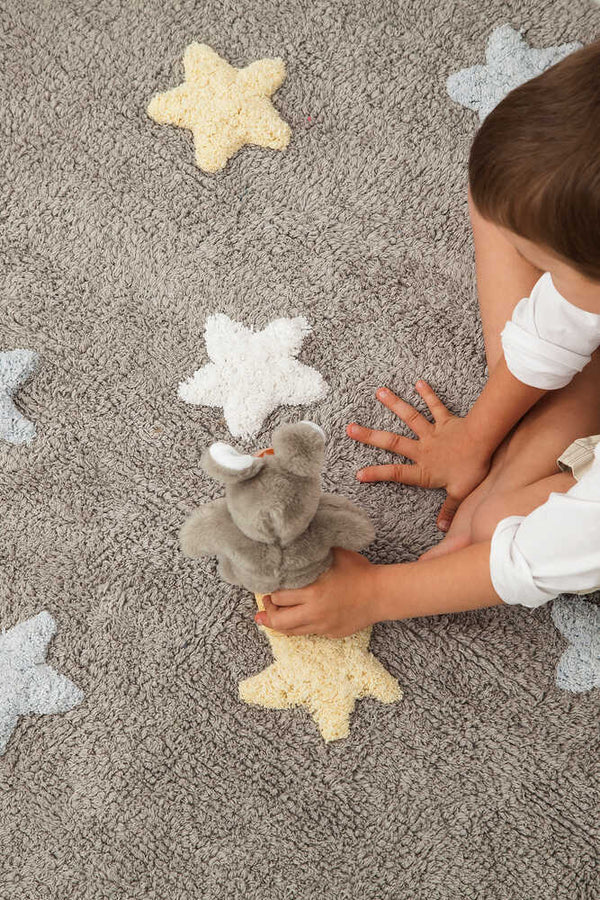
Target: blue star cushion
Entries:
(27, 683)
(579, 666)
(16, 366)
(509, 63)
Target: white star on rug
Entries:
(510, 62)
(27, 684)
(252, 373)
(224, 107)
(579, 666)
(16, 366)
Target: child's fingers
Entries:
(297, 632)
(284, 619)
(385, 440)
(435, 405)
(447, 513)
(292, 632)
(409, 415)
(289, 597)
(404, 474)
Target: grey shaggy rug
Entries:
(115, 248)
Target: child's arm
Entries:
(501, 404)
(452, 452)
(451, 583)
(354, 593)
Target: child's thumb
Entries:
(446, 513)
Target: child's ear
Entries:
(227, 465)
(300, 448)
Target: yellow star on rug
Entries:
(326, 675)
(224, 107)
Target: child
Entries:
(522, 511)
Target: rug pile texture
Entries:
(116, 249)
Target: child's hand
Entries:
(340, 602)
(445, 453)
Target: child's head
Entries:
(534, 165)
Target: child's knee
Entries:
(518, 502)
(489, 512)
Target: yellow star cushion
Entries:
(224, 107)
(326, 675)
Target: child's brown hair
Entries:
(534, 165)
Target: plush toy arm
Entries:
(202, 533)
(210, 531)
(342, 524)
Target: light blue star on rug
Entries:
(509, 63)
(16, 366)
(579, 621)
(27, 683)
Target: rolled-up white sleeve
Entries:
(553, 550)
(548, 340)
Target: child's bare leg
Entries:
(528, 454)
(524, 467)
(519, 502)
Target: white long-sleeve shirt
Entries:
(548, 340)
(556, 548)
(553, 550)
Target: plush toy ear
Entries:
(227, 465)
(300, 448)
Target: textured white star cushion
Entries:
(27, 684)
(252, 373)
(509, 63)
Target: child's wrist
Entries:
(382, 592)
(481, 433)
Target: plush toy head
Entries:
(273, 498)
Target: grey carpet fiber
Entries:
(114, 250)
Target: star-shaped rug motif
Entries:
(252, 373)
(579, 621)
(326, 675)
(509, 63)
(27, 684)
(224, 107)
(16, 366)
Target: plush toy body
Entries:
(275, 529)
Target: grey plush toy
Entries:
(274, 528)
